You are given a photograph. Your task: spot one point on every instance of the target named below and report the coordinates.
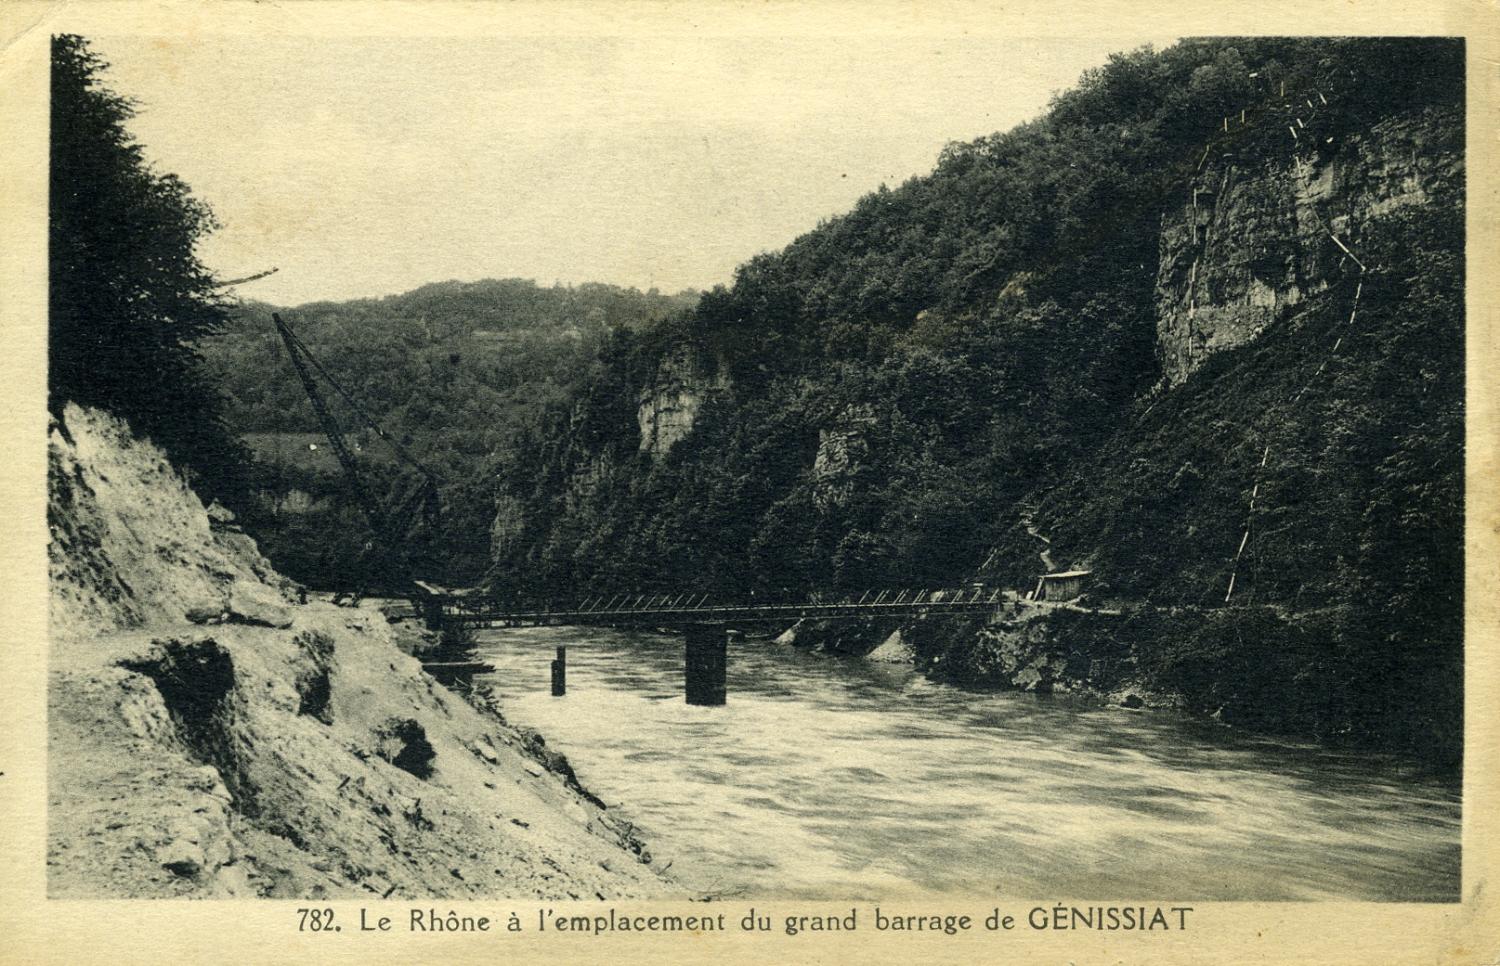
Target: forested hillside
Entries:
(1096, 327)
(451, 371)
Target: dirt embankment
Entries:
(211, 736)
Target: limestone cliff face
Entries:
(669, 406)
(843, 447)
(1252, 238)
(508, 525)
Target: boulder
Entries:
(788, 636)
(181, 857)
(219, 515)
(258, 605)
(893, 650)
(207, 612)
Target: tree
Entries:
(128, 297)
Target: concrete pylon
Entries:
(706, 664)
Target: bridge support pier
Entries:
(706, 664)
(560, 672)
(431, 609)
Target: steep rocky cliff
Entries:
(211, 735)
(1255, 236)
(843, 447)
(669, 405)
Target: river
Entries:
(836, 777)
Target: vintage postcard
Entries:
(766, 482)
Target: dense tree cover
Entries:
(1060, 205)
(128, 298)
(987, 333)
(1348, 603)
(450, 370)
(1363, 479)
(998, 314)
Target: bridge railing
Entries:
(669, 608)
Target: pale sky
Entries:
(371, 166)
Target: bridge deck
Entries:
(624, 610)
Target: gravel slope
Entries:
(209, 736)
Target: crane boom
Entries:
(392, 543)
(331, 429)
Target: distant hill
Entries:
(450, 369)
(489, 336)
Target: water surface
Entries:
(835, 777)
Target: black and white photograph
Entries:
(756, 468)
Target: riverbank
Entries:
(1265, 670)
(212, 736)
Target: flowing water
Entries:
(835, 777)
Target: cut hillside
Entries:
(211, 735)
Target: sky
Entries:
(365, 167)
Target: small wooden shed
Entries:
(1063, 585)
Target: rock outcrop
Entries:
(843, 448)
(893, 650)
(669, 406)
(508, 524)
(209, 735)
(1256, 236)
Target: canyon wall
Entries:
(1253, 237)
(669, 406)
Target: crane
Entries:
(390, 528)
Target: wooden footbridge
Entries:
(676, 610)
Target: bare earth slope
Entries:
(208, 736)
